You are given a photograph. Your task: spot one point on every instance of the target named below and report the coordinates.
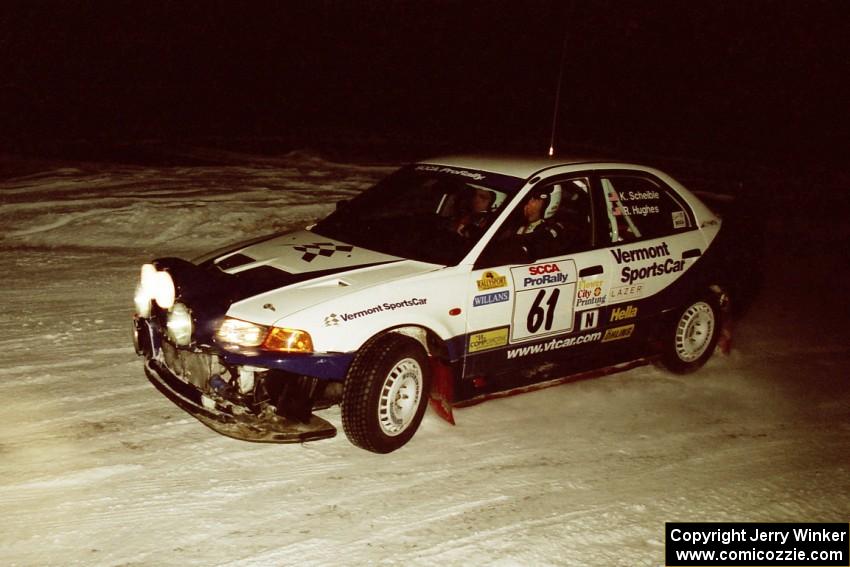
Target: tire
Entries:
(385, 394)
(691, 339)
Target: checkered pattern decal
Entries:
(311, 251)
(332, 320)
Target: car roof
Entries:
(522, 167)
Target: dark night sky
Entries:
(764, 80)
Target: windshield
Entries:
(430, 213)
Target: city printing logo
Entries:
(491, 280)
(590, 292)
(491, 298)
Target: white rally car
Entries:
(453, 280)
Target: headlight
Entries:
(142, 301)
(245, 334)
(154, 285)
(242, 333)
(179, 324)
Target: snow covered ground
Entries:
(97, 468)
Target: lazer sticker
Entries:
(626, 292)
(486, 340)
(326, 249)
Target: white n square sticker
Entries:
(589, 319)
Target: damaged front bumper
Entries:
(269, 413)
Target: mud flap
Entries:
(724, 340)
(442, 389)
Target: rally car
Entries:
(454, 280)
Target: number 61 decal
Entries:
(537, 314)
(544, 300)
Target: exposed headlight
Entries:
(154, 285)
(179, 324)
(242, 333)
(143, 302)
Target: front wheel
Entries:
(385, 394)
(691, 339)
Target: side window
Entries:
(554, 219)
(639, 208)
(572, 218)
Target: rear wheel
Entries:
(691, 339)
(385, 394)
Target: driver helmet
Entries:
(551, 195)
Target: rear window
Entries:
(640, 207)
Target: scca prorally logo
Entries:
(546, 274)
(326, 249)
(543, 269)
(491, 280)
(490, 298)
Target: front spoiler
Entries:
(247, 426)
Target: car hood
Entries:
(300, 252)
(289, 273)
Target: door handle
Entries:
(692, 253)
(591, 271)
